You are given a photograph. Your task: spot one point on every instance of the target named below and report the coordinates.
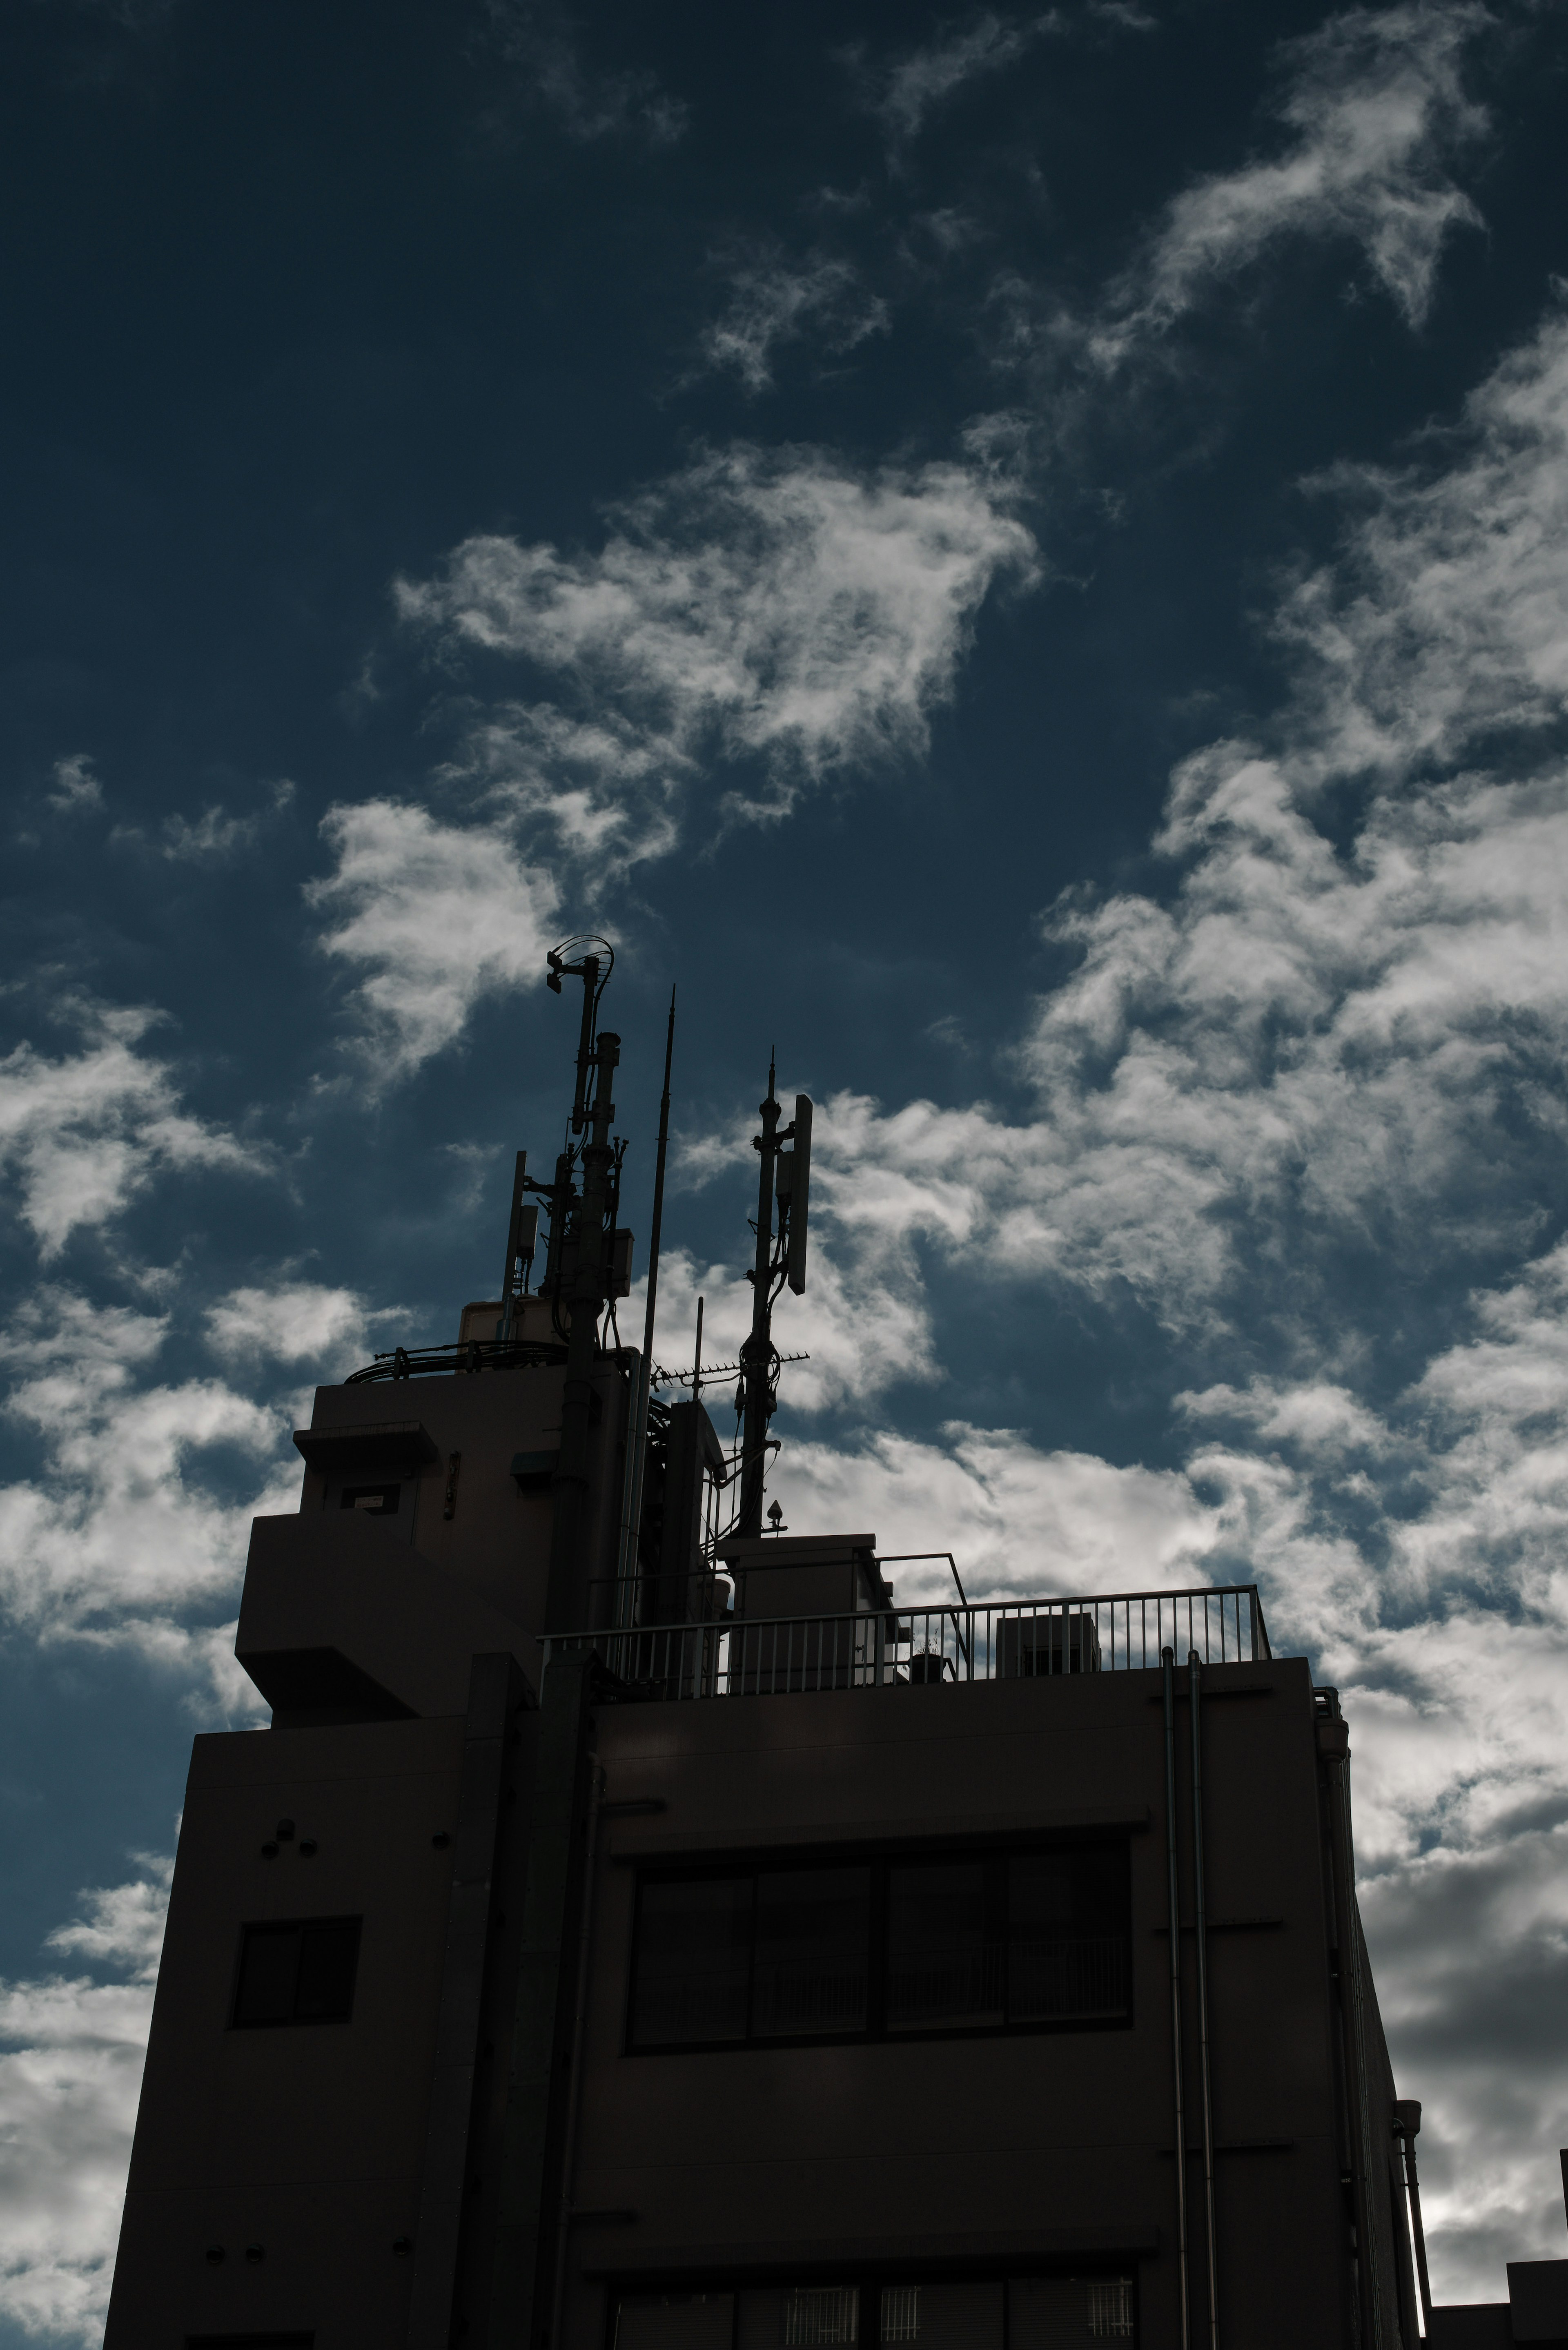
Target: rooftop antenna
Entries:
(579, 1293)
(783, 1181)
(697, 1360)
(633, 1520)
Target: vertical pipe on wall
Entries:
(1406, 2122)
(1167, 1666)
(574, 2057)
(1334, 1748)
(1200, 1939)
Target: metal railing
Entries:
(978, 1641)
(469, 1354)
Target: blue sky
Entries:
(1023, 557)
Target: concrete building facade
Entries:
(738, 1960)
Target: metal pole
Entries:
(566, 1596)
(633, 1527)
(1353, 2010)
(1406, 2122)
(1200, 1938)
(756, 1355)
(1168, 1667)
(575, 2061)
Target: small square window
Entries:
(297, 1973)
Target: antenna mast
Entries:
(783, 1178)
(579, 1278)
(632, 1524)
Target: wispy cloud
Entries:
(750, 627)
(905, 93)
(289, 1321)
(74, 789)
(116, 1538)
(1375, 112)
(436, 915)
(71, 2055)
(85, 1134)
(779, 609)
(773, 302)
(543, 41)
(1440, 631)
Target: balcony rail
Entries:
(469, 1354)
(979, 1641)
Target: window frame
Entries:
(249, 1926)
(871, 2279)
(880, 1859)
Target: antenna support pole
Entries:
(757, 1356)
(583, 1303)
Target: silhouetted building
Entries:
(639, 1931)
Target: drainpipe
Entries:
(1333, 1745)
(573, 2080)
(1406, 2122)
(1201, 1936)
(1167, 1668)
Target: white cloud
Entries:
(864, 1329)
(114, 1539)
(293, 1321)
(217, 834)
(71, 2055)
(777, 616)
(903, 95)
(1376, 110)
(74, 789)
(772, 302)
(1020, 1520)
(1443, 624)
(438, 915)
(84, 1135)
(540, 38)
(778, 608)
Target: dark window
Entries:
(250, 2342)
(939, 1944)
(693, 1970)
(375, 1501)
(1067, 1936)
(299, 1973)
(945, 1958)
(811, 1943)
(1051, 2312)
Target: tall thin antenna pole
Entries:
(632, 1523)
(697, 1360)
(757, 1353)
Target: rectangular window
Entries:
(945, 1962)
(943, 2317)
(250, 2342)
(811, 1941)
(882, 1947)
(1062, 2312)
(798, 2317)
(1053, 2312)
(675, 2321)
(693, 1961)
(297, 1973)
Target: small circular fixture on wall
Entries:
(255, 2253)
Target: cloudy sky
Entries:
(1022, 556)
